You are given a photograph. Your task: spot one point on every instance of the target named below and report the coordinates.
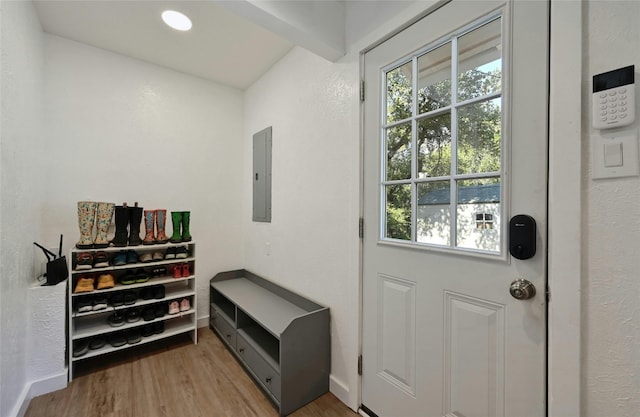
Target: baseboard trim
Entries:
(203, 322)
(36, 388)
(342, 392)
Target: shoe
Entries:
(159, 271)
(146, 257)
(170, 254)
(86, 219)
(149, 224)
(147, 330)
(132, 257)
(158, 292)
(116, 300)
(121, 220)
(127, 279)
(141, 276)
(120, 258)
(129, 298)
(117, 340)
(100, 259)
(80, 348)
(133, 336)
(132, 316)
(84, 284)
(106, 281)
(177, 271)
(148, 314)
(158, 327)
(84, 261)
(146, 293)
(103, 222)
(99, 302)
(174, 307)
(158, 256)
(160, 310)
(84, 304)
(116, 319)
(185, 305)
(161, 217)
(176, 219)
(97, 343)
(186, 236)
(135, 217)
(185, 270)
(181, 252)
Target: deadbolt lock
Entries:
(522, 289)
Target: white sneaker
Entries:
(185, 305)
(174, 307)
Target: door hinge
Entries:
(361, 228)
(361, 90)
(547, 294)
(360, 365)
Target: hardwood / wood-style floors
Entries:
(176, 380)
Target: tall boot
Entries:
(186, 236)
(135, 218)
(86, 218)
(149, 224)
(176, 219)
(122, 221)
(103, 221)
(161, 218)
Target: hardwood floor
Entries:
(176, 380)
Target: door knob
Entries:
(522, 289)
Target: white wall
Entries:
(122, 130)
(611, 286)
(21, 190)
(311, 245)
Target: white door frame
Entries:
(564, 211)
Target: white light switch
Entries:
(613, 154)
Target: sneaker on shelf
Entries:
(181, 252)
(177, 271)
(141, 276)
(132, 257)
(80, 348)
(185, 305)
(170, 253)
(147, 330)
(148, 314)
(127, 279)
(185, 270)
(158, 292)
(106, 281)
(132, 316)
(146, 257)
(117, 340)
(84, 261)
(157, 256)
(133, 336)
(116, 319)
(97, 343)
(116, 299)
(99, 302)
(120, 258)
(84, 284)
(146, 293)
(130, 297)
(100, 259)
(174, 307)
(158, 327)
(84, 304)
(160, 310)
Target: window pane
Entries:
(479, 137)
(434, 79)
(398, 145)
(479, 196)
(434, 146)
(434, 213)
(480, 61)
(398, 212)
(399, 93)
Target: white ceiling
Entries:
(221, 46)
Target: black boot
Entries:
(122, 221)
(135, 218)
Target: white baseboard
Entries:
(36, 388)
(203, 322)
(342, 392)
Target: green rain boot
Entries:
(186, 236)
(176, 219)
(103, 222)
(86, 218)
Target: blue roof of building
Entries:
(474, 194)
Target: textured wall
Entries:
(130, 131)
(21, 189)
(612, 298)
(311, 244)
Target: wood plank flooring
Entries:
(170, 378)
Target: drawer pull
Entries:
(228, 335)
(268, 380)
(241, 350)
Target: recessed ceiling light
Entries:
(176, 20)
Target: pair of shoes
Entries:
(181, 220)
(84, 284)
(151, 256)
(179, 252)
(159, 271)
(91, 303)
(175, 307)
(131, 217)
(155, 219)
(181, 270)
(88, 260)
(106, 281)
(125, 257)
(90, 212)
(154, 291)
(152, 328)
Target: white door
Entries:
(455, 145)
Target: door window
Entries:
(443, 144)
